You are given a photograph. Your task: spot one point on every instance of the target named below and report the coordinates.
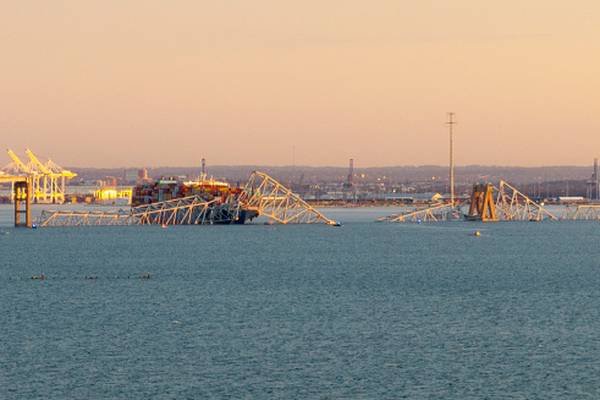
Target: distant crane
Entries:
(48, 181)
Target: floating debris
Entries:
(145, 275)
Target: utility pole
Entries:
(596, 179)
(451, 124)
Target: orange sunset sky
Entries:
(148, 82)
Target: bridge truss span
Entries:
(488, 203)
(583, 212)
(192, 210)
(433, 213)
(512, 205)
(269, 198)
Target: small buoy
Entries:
(477, 234)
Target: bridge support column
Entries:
(482, 204)
(22, 202)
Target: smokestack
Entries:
(203, 167)
(350, 172)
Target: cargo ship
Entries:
(165, 189)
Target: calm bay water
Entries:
(363, 311)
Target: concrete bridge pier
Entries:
(22, 202)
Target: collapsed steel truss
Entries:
(263, 195)
(192, 210)
(586, 212)
(512, 205)
(271, 199)
(434, 213)
(488, 203)
(84, 218)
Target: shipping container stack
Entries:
(172, 188)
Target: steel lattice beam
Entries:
(585, 212)
(434, 213)
(512, 205)
(273, 200)
(488, 203)
(192, 210)
(263, 195)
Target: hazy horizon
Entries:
(356, 167)
(4, 160)
(105, 83)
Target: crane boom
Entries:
(37, 162)
(18, 162)
(48, 180)
(57, 169)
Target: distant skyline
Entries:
(153, 83)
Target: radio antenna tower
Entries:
(451, 124)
